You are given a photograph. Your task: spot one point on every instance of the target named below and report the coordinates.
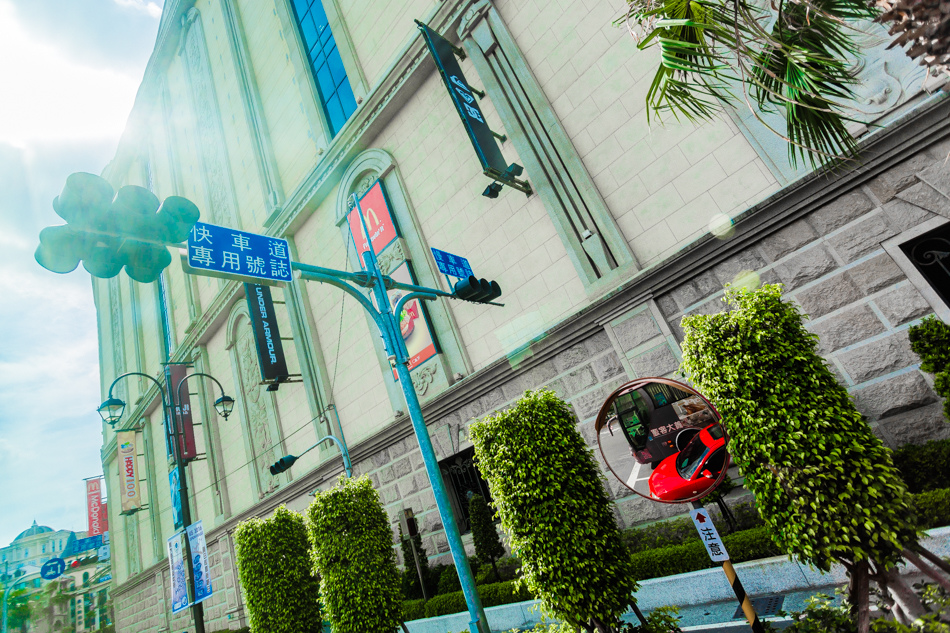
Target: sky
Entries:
(69, 70)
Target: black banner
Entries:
(270, 351)
(493, 163)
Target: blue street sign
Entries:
(83, 545)
(225, 252)
(53, 568)
(452, 265)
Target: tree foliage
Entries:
(793, 57)
(488, 546)
(930, 340)
(273, 557)
(549, 493)
(352, 552)
(823, 482)
(411, 588)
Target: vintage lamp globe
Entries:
(224, 405)
(111, 410)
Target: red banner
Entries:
(95, 509)
(182, 409)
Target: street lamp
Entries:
(111, 411)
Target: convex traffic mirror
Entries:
(663, 440)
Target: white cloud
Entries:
(56, 99)
(151, 8)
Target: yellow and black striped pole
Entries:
(717, 552)
(742, 596)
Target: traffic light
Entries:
(107, 231)
(477, 290)
(282, 464)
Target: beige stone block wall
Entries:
(661, 182)
(380, 30)
(237, 137)
(510, 239)
(294, 141)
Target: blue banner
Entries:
(199, 556)
(176, 564)
(82, 545)
(174, 484)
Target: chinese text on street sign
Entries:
(710, 537)
(229, 252)
(452, 265)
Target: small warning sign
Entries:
(710, 537)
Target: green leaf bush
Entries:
(823, 482)
(679, 559)
(413, 610)
(933, 508)
(488, 547)
(273, 558)
(550, 497)
(410, 577)
(352, 551)
(924, 466)
(491, 595)
(930, 340)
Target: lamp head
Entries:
(224, 405)
(111, 411)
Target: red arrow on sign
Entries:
(700, 518)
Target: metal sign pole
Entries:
(709, 535)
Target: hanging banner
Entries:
(174, 485)
(270, 350)
(443, 53)
(105, 552)
(199, 556)
(94, 508)
(379, 221)
(176, 564)
(182, 409)
(128, 472)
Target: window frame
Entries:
(892, 247)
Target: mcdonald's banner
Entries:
(379, 221)
(95, 509)
(128, 472)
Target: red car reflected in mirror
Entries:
(686, 474)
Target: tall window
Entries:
(930, 253)
(335, 91)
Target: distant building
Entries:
(33, 547)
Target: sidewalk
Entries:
(704, 597)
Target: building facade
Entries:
(270, 114)
(33, 547)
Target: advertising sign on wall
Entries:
(270, 351)
(413, 323)
(176, 564)
(95, 511)
(182, 408)
(379, 221)
(128, 472)
(199, 556)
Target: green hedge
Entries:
(679, 559)
(933, 508)
(492, 595)
(925, 466)
(280, 591)
(352, 549)
(413, 610)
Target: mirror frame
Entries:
(636, 384)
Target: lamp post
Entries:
(111, 411)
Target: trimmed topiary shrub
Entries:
(924, 466)
(930, 340)
(449, 581)
(488, 547)
(679, 559)
(823, 482)
(352, 551)
(550, 496)
(273, 559)
(413, 610)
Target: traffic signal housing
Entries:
(282, 464)
(108, 230)
(477, 290)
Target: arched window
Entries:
(435, 349)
